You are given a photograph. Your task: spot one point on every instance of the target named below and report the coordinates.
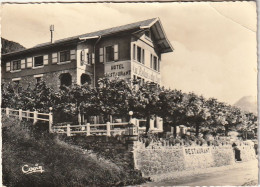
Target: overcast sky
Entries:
(215, 43)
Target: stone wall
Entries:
(52, 79)
(156, 160)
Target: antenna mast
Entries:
(52, 29)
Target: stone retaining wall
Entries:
(156, 160)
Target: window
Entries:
(151, 61)
(38, 79)
(139, 54)
(109, 53)
(38, 61)
(143, 56)
(155, 63)
(65, 56)
(134, 49)
(16, 82)
(16, 65)
(147, 34)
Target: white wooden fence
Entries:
(107, 129)
(30, 115)
(88, 129)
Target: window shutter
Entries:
(8, 66)
(101, 55)
(45, 60)
(72, 54)
(29, 62)
(54, 57)
(116, 52)
(93, 58)
(158, 65)
(23, 64)
(82, 55)
(89, 58)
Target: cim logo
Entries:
(32, 169)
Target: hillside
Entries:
(247, 103)
(10, 46)
(62, 164)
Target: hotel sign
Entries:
(118, 69)
(146, 73)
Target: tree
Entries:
(197, 112)
(171, 108)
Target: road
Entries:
(242, 173)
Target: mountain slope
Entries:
(247, 103)
(10, 46)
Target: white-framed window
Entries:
(16, 65)
(64, 56)
(155, 63)
(38, 61)
(38, 77)
(134, 51)
(151, 61)
(139, 54)
(109, 53)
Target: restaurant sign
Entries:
(196, 150)
(118, 69)
(146, 73)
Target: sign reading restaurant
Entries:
(197, 150)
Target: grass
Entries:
(63, 164)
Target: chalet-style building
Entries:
(131, 51)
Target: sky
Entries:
(215, 52)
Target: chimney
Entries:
(52, 29)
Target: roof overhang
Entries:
(160, 36)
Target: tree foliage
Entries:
(118, 97)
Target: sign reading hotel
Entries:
(196, 150)
(146, 73)
(118, 69)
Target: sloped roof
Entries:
(137, 25)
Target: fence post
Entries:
(27, 114)
(7, 112)
(50, 120)
(108, 129)
(68, 130)
(35, 115)
(20, 114)
(88, 129)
